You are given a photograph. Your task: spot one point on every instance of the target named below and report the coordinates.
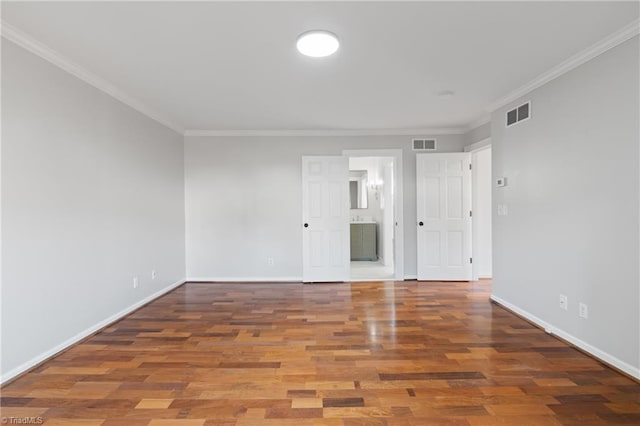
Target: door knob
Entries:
(306, 225)
(420, 223)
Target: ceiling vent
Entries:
(424, 144)
(521, 113)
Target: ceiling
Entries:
(229, 66)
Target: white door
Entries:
(444, 216)
(325, 218)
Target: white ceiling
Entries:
(234, 66)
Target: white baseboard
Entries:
(83, 334)
(244, 279)
(597, 353)
(410, 277)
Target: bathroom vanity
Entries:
(363, 241)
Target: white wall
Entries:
(92, 195)
(477, 135)
(573, 206)
(243, 201)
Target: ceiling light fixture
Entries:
(317, 43)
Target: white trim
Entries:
(597, 353)
(613, 40)
(410, 277)
(398, 216)
(353, 132)
(84, 334)
(478, 146)
(270, 280)
(27, 42)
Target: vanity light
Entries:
(375, 185)
(317, 43)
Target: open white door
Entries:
(325, 218)
(444, 217)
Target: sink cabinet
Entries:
(364, 241)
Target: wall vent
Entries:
(424, 144)
(516, 115)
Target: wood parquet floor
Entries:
(409, 353)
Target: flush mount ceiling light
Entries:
(317, 43)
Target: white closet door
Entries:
(325, 218)
(444, 217)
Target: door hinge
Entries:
(470, 166)
(470, 213)
(471, 260)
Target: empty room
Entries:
(320, 213)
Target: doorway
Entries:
(375, 206)
(482, 183)
(454, 214)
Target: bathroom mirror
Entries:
(358, 189)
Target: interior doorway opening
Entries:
(482, 223)
(372, 197)
(371, 217)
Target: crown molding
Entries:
(355, 132)
(27, 42)
(609, 42)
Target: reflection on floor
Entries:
(370, 271)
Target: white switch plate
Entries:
(583, 311)
(135, 282)
(501, 181)
(564, 302)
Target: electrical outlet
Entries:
(135, 282)
(270, 261)
(153, 274)
(564, 302)
(583, 310)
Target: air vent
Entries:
(516, 115)
(424, 144)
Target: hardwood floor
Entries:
(409, 353)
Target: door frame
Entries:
(398, 201)
(475, 148)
